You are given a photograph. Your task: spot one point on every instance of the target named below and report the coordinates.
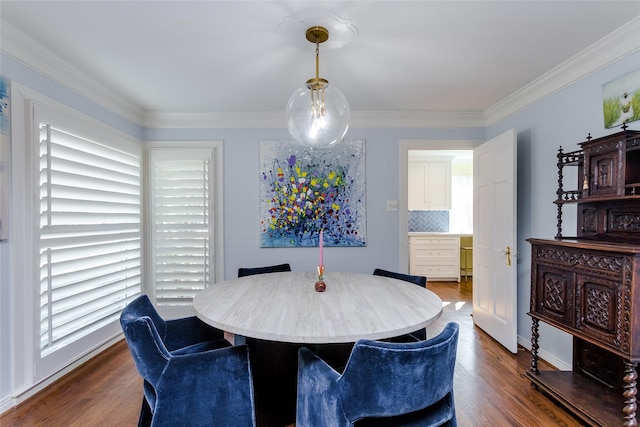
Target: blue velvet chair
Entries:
(383, 384)
(416, 280)
(420, 334)
(250, 271)
(192, 376)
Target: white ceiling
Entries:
(229, 56)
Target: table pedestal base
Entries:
(275, 370)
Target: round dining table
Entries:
(277, 313)
(285, 307)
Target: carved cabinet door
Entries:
(553, 296)
(599, 310)
(604, 169)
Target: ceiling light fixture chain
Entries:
(317, 59)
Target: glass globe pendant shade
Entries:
(317, 114)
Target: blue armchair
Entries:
(420, 334)
(383, 384)
(192, 376)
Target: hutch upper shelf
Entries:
(608, 171)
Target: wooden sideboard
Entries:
(591, 291)
(589, 286)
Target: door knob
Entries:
(508, 254)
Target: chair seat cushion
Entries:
(436, 415)
(202, 346)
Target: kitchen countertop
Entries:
(438, 233)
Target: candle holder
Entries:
(320, 285)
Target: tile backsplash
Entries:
(433, 221)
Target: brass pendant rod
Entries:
(317, 35)
(317, 60)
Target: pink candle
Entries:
(321, 250)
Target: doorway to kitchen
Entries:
(494, 281)
(444, 207)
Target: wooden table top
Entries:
(285, 307)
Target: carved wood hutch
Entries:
(589, 285)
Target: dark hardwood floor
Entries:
(490, 386)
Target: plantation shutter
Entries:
(182, 223)
(89, 231)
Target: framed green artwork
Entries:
(621, 100)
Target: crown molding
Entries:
(611, 48)
(275, 119)
(417, 119)
(24, 49)
(616, 45)
(267, 119)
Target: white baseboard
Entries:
(20, 396)
(6, 404)
(547, 357)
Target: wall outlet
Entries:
(392, 205)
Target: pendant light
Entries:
(317, 113)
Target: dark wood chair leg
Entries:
(146, 416)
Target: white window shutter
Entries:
(89, 230)
(182, 223)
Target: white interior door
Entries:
(494, 239)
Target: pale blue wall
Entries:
(241, 150)
(564, 118)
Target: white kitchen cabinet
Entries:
(429, 185)
(436, 256)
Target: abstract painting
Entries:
(303, 191)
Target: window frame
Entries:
(27, 377)
(31, 368)
(217, 241)
(211, 150)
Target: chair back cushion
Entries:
(142, 306)
(147, 349)
(213, 388)
(250, 271)
(385, 379)
(417, 280)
